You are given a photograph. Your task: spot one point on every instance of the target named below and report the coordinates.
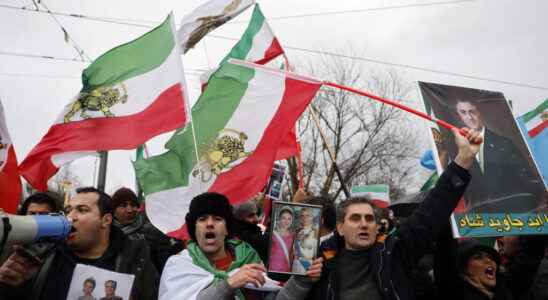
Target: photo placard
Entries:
(294, 238)
(92, 283)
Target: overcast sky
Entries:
(503, 40)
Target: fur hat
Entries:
(208, 204)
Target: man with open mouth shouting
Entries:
(214, 266)
(92, 241)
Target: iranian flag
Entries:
(534, 126)
(240, 121)
(10, 183)
(536, 120)
(130, 94)
(206, 18)
(378, 193)
(258, 44)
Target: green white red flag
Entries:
(258, 44)
(206, 18)
(10, 182)
(240, 121)
(378, 193)
(536, 120)
(130, 94)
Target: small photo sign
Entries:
(92, 283)
(294, 238)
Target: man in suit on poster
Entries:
(502, 180)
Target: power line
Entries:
(407, 66)
(128, 22)
(68, 38)
(8, 53)
(135, 22)
(39, 75)
(62, 76)
(17, 54)
(354, 11)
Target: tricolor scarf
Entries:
(243, 254)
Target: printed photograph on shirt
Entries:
(92, 283)
(505, 178)
(294, 237)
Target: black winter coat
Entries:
(161, 246)
(466, 291)
(393, 258)
(123, 255)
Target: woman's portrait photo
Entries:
(294, 238)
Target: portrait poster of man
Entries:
(92, 283)
(506, 195)
(294, 238)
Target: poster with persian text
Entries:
(506, 195)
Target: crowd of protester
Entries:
(365, 252)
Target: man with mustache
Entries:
(360, 266)
(215, 266)
(92, 241)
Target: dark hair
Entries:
(459, 100)
(209, 203)
(467, 248)
(49, 198)
(113, 283)
(103, 202)
(90, 280)
(343, 207)
(329, 214)
(285, 209)
(122, 196)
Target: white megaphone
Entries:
(22, 230)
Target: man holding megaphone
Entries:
(91, 241)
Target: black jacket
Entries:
(161, 246)
(507, 184)
(393, 258)
(123, 255)
(466, 291)
(251, 234)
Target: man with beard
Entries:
(92, 241)
(214, 266)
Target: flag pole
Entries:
(441, 123)
(288, 68)
(397, 105)
(103, 156)
(186, 95)
(312, 111)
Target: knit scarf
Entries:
(243, 254)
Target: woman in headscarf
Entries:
(281, 253)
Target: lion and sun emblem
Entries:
(101, 99)
(222, 154)
(209, 23)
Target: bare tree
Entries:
(372, 142)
